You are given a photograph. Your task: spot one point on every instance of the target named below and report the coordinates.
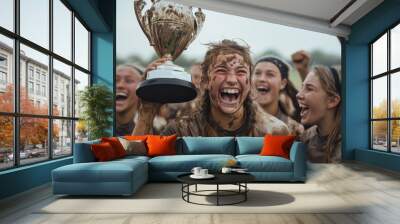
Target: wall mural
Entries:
(236, 95)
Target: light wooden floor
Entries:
(377, 188)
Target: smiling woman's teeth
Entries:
(229, 95)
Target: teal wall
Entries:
(356, 96)
(99, 16)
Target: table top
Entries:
(220, 178)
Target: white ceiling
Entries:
(323, 16)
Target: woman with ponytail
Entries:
(320, 103)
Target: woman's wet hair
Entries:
(279, 63)
(224, 47)
(139, 69)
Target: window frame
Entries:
(388, 74)
(16, 114)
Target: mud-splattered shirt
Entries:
(317, 147)
(257, 123)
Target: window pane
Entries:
(379, 135)
(62, 141)
(33, 139)
(7, 14)
(81, 81)
(34, 97)
(62, 89)
(81, 45)
(395, 94)
(395, 47)
(81, 131)
(379, 55)
(379, 97)
(62, 29)
(35, 21)
(395, 138)
(6, 74)
(6, 142)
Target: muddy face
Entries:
(228, 83)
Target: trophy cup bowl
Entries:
(170, 28)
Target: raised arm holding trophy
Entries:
(170, 28)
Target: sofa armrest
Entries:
(83, 152)
(298, 157)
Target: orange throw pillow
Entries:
(103, 152)
(135, 137)
(161, 145)
(276, 145)
(116, 145)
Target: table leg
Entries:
(217, 194)
(245, 191)
(196, 188)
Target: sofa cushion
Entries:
(257, 163)
(112, 171)
(207, 145)
(249, 145)
(185, 163)
(83, 153)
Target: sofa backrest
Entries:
(249, 145)
(83, 152)
(206, 145)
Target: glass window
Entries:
(62, 75)
(81, 131)
(33, 140)
(379, 56)
(395, 136)
(81, 81)
(7, 14)
(40, 62)
(62, 138)
(34, 80)
(62, 29)
(379, 98)
(385, 125)
(35, 21)
(6, 142)
(81, 45)
(379, 133)
(6, 73)
(30, 87)
(395, 47)
(395, 95)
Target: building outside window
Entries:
(59, 133)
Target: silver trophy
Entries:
(170, 28)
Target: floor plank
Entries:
(377, 190)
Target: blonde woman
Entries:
(319, 100)
(269, 83)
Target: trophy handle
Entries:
(143, 19)
(198, 23)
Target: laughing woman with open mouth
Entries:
(270, 81)
(319, 100)
(127, 78)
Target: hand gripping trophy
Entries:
(170, 28)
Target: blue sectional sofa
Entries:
(125, 176)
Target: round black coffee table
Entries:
(238, 179)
